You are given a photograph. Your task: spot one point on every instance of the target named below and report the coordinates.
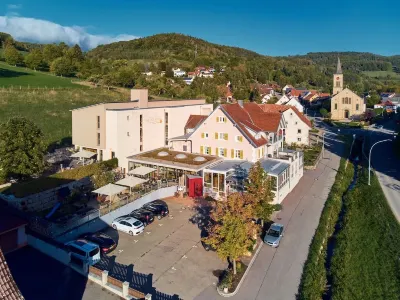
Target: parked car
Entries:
(105, 242)
(143, 215)
(84, 250)
(157, 208)
(274, 235)
(128, 224)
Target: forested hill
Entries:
(355, 61)
(21, 46)
(170, 46)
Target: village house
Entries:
(291, 101)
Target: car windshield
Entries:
(137, 223)
(273, 232)
(93, 252)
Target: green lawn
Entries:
(366, 262)
(50, 110)
(17, 77)
(382, 74)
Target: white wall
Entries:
(294, 123)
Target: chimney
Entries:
(240, 102)
(140, 95)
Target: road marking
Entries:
(159, 224)
(148, 232)
(119, 251)
(136, 241)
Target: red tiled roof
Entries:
(250, 116)
(324, 94)
(295, 93)
(8, 288)
(309, 97)
(194, 120)
(275, 108)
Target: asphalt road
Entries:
(276, 273)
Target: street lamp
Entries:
(323, 141)
(369, 160)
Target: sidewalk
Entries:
(276, 273)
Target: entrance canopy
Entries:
(84, 154)
(110, 189)
(131, 181)
(141, 171)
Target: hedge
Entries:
(366, 264)
(313, 281)
(24, 189)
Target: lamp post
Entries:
(323, 141)
(369, 160)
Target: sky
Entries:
(275, 28)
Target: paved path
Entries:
(276, 272)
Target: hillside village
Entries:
(166, 166)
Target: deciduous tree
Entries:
(232, 232)
(12, 56)
(34, 59)
(102, 177)
(62, 66)
(21, 148)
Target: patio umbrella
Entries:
(131, 182)
(109, 190)
(83, 154)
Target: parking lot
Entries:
(170, 250)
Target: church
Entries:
(345, 104)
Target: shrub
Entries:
(226, 281)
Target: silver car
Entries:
(274, 235)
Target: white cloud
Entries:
(42, 31)
(14, 6)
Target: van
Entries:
(84, 250)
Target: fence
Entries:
(118, 287)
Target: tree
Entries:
(51, 52)
(324, 112)
(62, 66)
(12, 56)
(259, 189)
(373, 99)
(273, 100)
(21, 148)
(75, 54)
(232, 230)
(102, 177)
(34, 59)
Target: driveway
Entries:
(276, 273)
(168, 256)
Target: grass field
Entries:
(50, 109)
(382, 74)
(17, 77)
(366, 262)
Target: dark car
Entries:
(143, 215)
(105, 242)
(157, 208)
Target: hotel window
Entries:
(298, 130)
(166, 129)
(357, 106)
(221, 136)
(98, 122)
(221, 119)
(127, 134)
(238, 138)
(349, 100)
(141, 148)
(141, 131)
(204, 135)
(141, 120)
(335, 106)
(299, 139)
(127, 118)
(222, 152)
(98, 139)
(184, 148)
(207, 150)
(238, 153)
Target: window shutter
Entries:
(241, 154)
(216, 152)
(216, 135)
(225, 152)
(225, 136)
(201, 150)
(240, 139)
(217, 119)
(225, 119)
(202, 135)
(209, 148)
(232, 153)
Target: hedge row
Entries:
(313, 281)
(366, 264)
(24, 189)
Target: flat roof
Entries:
(273, 167)
(187, 161)
(230, 165)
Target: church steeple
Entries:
(339, 66)
(338, 78)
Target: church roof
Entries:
(339, 66)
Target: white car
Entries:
(129, 225)
(84, 250)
